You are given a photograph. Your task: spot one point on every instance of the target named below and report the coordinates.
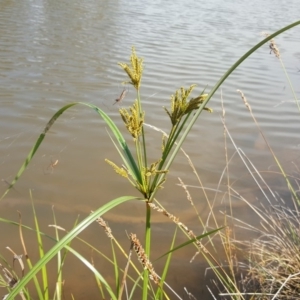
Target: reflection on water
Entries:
(56, 52)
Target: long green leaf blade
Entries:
(65, 240)
(41, 250)
(212, 92)
(218, 84)
(118, 135)
(190, 241)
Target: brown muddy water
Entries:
(56, 52)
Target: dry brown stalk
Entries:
(125, 272)
(18, 258)
(143, 258)
(245, 100)
(21, 236)
(271, 150)
(188, 195)
(57, 227)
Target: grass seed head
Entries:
(133, 120)
(134, 70)
(118, 170)
(180, 105)
(272, 46)
(143, 258)
(106, 228)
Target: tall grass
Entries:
(145, 176)
(271, 270)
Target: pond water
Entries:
(56, 52)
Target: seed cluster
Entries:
(106, 228)
(143, 258)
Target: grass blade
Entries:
(214, 89)
(118, 135)
(41, 251)
(159, 294)
(65, 240)
(28, 260)
(190, 241)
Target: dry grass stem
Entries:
(245, 100)
(21, 236)
(274, 259)
(125, 272)
(210, 205)
(57, 227)
(18, 258)
(225, 148)
(188, 195)
(295, 196)
(191, 296)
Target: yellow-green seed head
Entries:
(134, 71)
(180, 105)
(118, 170)
(133, 121)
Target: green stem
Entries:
(290, 83)
(174, 138)
(139, 156)
(143, 133)
(147, 249)
(141, 146)
(175, 131)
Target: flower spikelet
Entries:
(118, 170)
(180, 105)
(194, 103)
(134, 71)
(143, 257)
(148, 172)
(132, 119)
(153, 171)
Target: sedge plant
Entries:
(147, 177)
